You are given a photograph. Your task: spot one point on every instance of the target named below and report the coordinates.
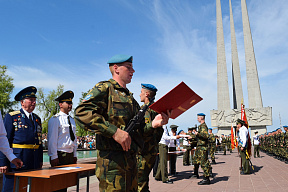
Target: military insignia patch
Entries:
(87, 97)
(147, 120)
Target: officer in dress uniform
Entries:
(62, 142)
(24, 133)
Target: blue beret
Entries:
(285, 126)
(277, 129)
(149, 87)
(222, 134)
(179, 132)
(210, 128)
(201, 114)
(26, 93)
(120, 59)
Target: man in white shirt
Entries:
(162, 173)
(243, 143)
(62, 143)
(172, 146)
(256, 144)
(6, 150)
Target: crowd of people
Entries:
(275, 143)
(84, 142)
(125, 158)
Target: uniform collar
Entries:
(27, 113)
(117, 86)
(63, 114)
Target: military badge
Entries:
(87, 97)
(147, 120)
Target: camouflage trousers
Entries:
(201, 158)
(186, 156)
(224, 147)
(116, 171)
(145, 165)
(212, 150)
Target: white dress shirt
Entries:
(243, 134)
(256, 139)
(165, 139)
(172, 141)
(4, 144)
(59, 136)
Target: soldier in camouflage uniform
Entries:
(229, 143)
(223, 143)
(201, 154)
(285, 144)
(146, 157)
(186, 156)
(106, 111)
(212, 145)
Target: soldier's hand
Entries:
(123, 138)
(161, 119)
(178, 136)
(54, 162)
(17, 162)
(3, 169)
(75, 160)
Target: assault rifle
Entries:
(136, 120)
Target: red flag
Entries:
(244, 118)
(233, 142)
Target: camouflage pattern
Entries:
(186, 155)
(116, 171)
(146, 158)
(223, 144)
(228, 144)
(105, 108)
(201, 153)
(212, 146)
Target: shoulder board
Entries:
(56, 115)
(14, 113)
(36, 116)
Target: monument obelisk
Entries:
(236, 75)
(253, 86)
(222, 118)
(223, 100)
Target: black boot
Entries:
(213, 162)
(205, 181)
(210, 173)
(195, 174)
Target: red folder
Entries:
(179, 99)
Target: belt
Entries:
(25, 146)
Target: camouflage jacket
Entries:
(212, 139)
(106, 107)
(286, 139)
(224, 140)
(151, 136)
(202, 135)
(193, 140)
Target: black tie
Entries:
(30, 118)
(72, 136)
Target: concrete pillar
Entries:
(254, 93)
(223, 99)
(236, 75)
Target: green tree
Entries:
(47, 105)
(80, 131)
(6, 88)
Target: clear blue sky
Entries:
(47, 43)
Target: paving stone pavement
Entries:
(269, 175)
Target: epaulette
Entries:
(56, 115)
(14, 113)
(37, 116)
